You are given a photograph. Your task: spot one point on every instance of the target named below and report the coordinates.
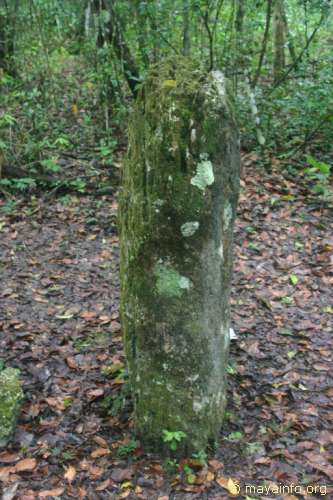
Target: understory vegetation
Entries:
(69, 72)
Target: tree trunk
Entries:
(278, 40)
(8, 13)
(186, 28)
(180, 190)
(240, 14)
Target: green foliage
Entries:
(235, 436)
(201, 457)
(21, 184)
(127, 449)
(171, 466)
(318, 173)
(172, 438)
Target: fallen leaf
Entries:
(56, 492)
(95, 393)
(70, 474)
(88, 315)
(28, 464)
(120, 475)
(9, 458)
(229, 484)
(104, 485)
(210, 476)
(100, 452)
(233, 487)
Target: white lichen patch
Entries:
(204, 175)
(225, 332)
(169, 283)
(227, 215)
(200, 404)
(193, 135)
(189, 228)
(220, 250)
(184, 283)
(159, 203)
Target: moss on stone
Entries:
(169, 282)
(11, 397)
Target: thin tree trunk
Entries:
(278, 40)
(186, 28)
(264, 43)
(8, 15)
(290, 41)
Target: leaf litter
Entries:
(60, 326)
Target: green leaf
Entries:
(293, 279)
(235, 436)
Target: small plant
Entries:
(127, 449)
(293, 279)
(287, 300)
(201, 457)
(170, 466)
(22, 184)
(190, 476)
(173, 438)
(235, 436)
(319, 173)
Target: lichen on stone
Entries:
(227, 215)
(169, 282)
(204, 175)
(11, 396)
(189, 228)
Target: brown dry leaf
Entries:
(95, 393)
(9, 458)
(101, 442)
(70, 474)
(57, 403)
(163, 498)
(100, 452)
(210, 476)
(104, 485)
(125, 494)
(233, 487)
(88, 315)
(229, 484)
(215, 464)
(56, 492)
(95, 472)
(28, 464)
(222, 481)
(5, 471)
(115, 326)
(72, 363)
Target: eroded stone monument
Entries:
(178, 204)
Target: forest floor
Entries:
(60, 326)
